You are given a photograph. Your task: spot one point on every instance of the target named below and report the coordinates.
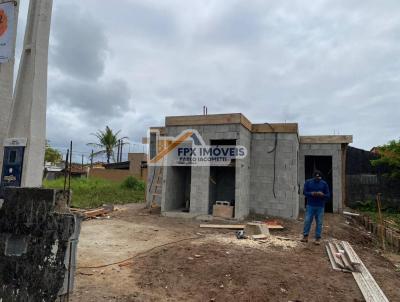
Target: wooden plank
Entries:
(344, 257)
(269, 225)
(245, 122)
(97, 212)
(223, 226)
(276, 127)
(158, 129)
(214, 119)
(331, 259)
(363, 286)
(236, 226)
(351, 254)
(336, 258)
(350, 214)
(326, 139)
(376, 291)
(367, 284)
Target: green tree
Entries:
(52, 155)
(108, 140)
(389, 159)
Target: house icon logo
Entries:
(189, 149)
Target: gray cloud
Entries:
(96, 99)
(79, 45)
(331, 66)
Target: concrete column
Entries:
(6, 90)
(30, 97)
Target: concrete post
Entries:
(6, 90)
(30, 96)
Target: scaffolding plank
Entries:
(366, 283)
(363, 286)
(351, 254)
(336, 258)
(344, 257)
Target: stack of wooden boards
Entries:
(343, 258)
(93, 213)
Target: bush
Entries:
(132, 183)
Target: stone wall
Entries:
(35, 229)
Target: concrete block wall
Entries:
(135, 163)
(254, 174)
(173, 189)
(242, 190)
(200, 177)
(285, 203)
(333, 150)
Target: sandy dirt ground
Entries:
(174, 260)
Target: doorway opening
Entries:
(324, 165)
(180, 200)
(222, 179)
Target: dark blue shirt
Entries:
(313, 185)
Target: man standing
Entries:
(317, 192)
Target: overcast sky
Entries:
(331, 66)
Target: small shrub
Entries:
(132, 183)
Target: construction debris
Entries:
(256, 229)
(94, 213)
(344, 258)
(259, 237)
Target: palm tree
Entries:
(108, 140)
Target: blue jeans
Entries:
(318, 213)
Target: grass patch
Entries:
(369, 208)
(394, 217)
(92, 193)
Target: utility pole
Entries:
(6, 89)
(91, 160)
(28, 114)
(122, 145)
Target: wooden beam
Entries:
(276, 127)
(214, 119)
(245, 122)
(160, 129)
(223, 226)
(237, 226)
(326, 139)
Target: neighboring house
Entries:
(52, 171)
(136, 166)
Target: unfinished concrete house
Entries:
(267, 181)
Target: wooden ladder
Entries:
(155, 194)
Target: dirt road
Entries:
(175, 260)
